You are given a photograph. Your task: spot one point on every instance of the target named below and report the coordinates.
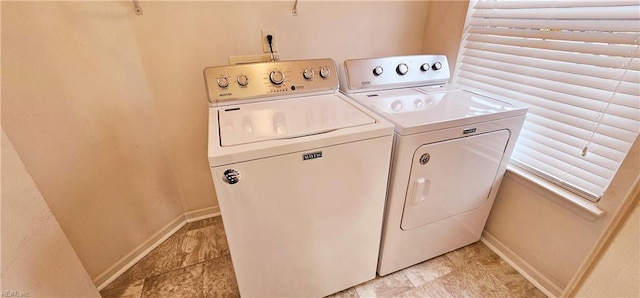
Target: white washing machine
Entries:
(451, 149)
(300, 172)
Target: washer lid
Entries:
(287, 119)
(412, 111)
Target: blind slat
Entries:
(560, 169)
(591, 25)
(570, 57)
(559, 138)
(560, 66)
(590, 48)
(549, 4)
(596, 174)
(581, 36)
(554, 13)
(579, 85)
(600, 165)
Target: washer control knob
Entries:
(325, 72)
(425, 67)
(242, 80)
(402, 69)
(223, 82)
(436, 66)
(378, 71)
(231, 176)
(276, 77)
(308, 74)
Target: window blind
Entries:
(575, 65)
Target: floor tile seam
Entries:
(172, 270)
(495, 280)
(405, 274)
(410, 282)
(202, 279)
(123, 287)
(500, 282)
(144, 284)
(182, 267)
(405, 291)
(443, 287)
(439, 282)
(452, 262)
(209, 260)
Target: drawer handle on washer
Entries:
(420, 190)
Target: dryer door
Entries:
(452, 177)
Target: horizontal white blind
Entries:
(576, 65)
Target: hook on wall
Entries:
(294, 11)
(137, 8)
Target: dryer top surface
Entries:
(412, 111)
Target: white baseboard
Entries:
(537, 278)
(201, 214)
(147, 246)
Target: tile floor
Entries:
(195, 262)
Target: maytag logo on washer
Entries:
(312, 155)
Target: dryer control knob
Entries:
(425, 67)
(276, 77)
(223, 82)
(231, 176)
(402, 69)
(242, 80)
(308, 74)
(437, 66)
(378, 71)
(325, 72)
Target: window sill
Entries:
(554, 193)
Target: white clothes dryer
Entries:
(300, 173)
(451, 148)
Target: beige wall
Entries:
(444, 27)
(617, 273)
(550, 238)
(36, 256)
(107, 109)
(77, 106)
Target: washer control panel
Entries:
(394, 72)
(270, 79)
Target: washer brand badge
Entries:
(468, 131)
(312, 155)
(225, 94)
(365, 83)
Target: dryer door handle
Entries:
(421, 188)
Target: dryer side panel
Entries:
(452, 177)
